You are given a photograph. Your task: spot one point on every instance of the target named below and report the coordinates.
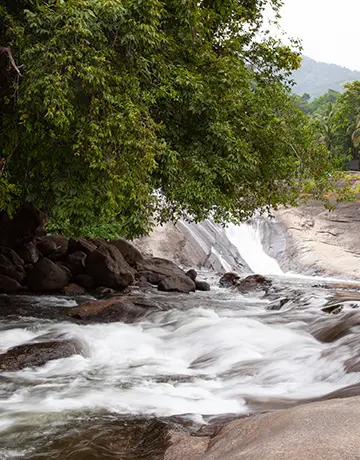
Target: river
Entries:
(213, 354)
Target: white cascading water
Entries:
(247, 238)
(212, 353)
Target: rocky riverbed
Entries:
(147, 363)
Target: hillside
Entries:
(316, 78)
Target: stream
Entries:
(211, 355)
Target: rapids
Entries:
(213, 354)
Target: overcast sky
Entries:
(329, 29)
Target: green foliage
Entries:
(129, 109)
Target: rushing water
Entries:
(212, 354)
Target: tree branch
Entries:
(7, 50)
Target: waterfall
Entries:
(248, 240)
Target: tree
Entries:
(128, 109)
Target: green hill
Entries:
(316, 78)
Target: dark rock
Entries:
(128, 251)
(37, 354)
(5, 260)
(8, 284)
(101, 292)
(82, 245)
(97, 241)
(15, 272)
(55, 246)
(76, 262)
(29, 253)
(110, 310)
(202, 286)
(84, 281)
(62, 244)
(46, 245)
(277, 304)
(109, 268)
(66, 269)
(156, 269)
(73, 290)
(253, 283)
(192, 274)
(229, 279)
(14, 258)
(143, 283)
(47, 276)
(177, 284)
(27, 223)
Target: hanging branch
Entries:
(7, 50)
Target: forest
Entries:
(117, 115)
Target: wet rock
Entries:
(46, 276)
(37, 354)
(14, 258)
(229, 279)
(177, 284)
(277, 304)
(143, 283)
(327, 430)
(202, 286)
(108, 268)
(73, 290)
(8, 285)
(109, 310)
(192, 274)
(333, 309)
(29, 253)
(330, 331)
(101, 292)
(85, 281)
(76, 262)
(15, 272)
(128, 251)
(155, 269)
(82, 245)
(253, 283)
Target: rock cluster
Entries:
(37, 262)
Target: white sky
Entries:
(329, 29)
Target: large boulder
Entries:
(76, 262)
(82, 245)
(84, 281)
(53, 246)
(108, 268)
(128, 251)
(29, 253)
(155, 269)
(253, 283)
(38, 354)
(15, 272)
(177, 284)
(46, 276)
(14, 258)
(8, 285)
(109, 310)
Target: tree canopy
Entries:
(128, 110)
